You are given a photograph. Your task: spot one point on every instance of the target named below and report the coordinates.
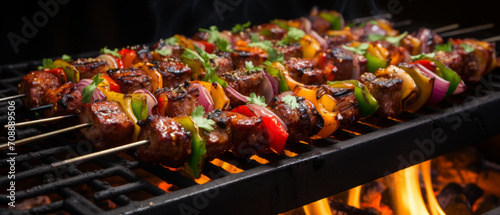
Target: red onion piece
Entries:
(110, 60)
(275, 83)
(460, 88)
(236, 94)
(374, 29)
(322, 42)
(205, 99)
(151, 100)
(267, 88)
(440, 85)
(82, 84)
(306, 24)
(264, 112)
(98, 95)
(200, 45)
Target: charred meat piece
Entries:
(293, 50)
(66, 99)
(245, 82)
(243, 54)
(143, 53)
(173, 72)
(387, 91)
(343, 61)
(302, 122)
(35, 85)
(428, 40)
(347, 105)
(318, 24)
(461, 62)
(170, 143)
(304, 71)
(130, 79)
(177, 50)
(219, 140)
(89, 67)
(182, 100)
(224, 63)
(110, 125)
(270, 31)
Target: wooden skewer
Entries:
(492, 39)
(99, 153)
(468, 30)
(43, 136)
(446, 28)
(41, 107)
(23, 124)
(12, 97)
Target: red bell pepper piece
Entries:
(61, 75)
(209, 47)
(113, 86)
(431, 66)
(274, 131)
(128, 57)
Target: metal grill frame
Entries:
(329, 167)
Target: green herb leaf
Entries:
(213, 33)
(375, 37)
(447, 47)
(171, 41)
(66, 58)
(467, 48)
(46, 63)
(250, 67)
(254, 37)
(240, 27)
(164, 51)
(211, 71)
(200, 121)
(255, 99)
(271, 52)
(114, 52)
(423, 55)
(361, 49)
(396, 39)
(291, 101)
(223, 45)
(88, 91)
(293, 35)
(266, 44)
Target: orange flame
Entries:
(319, 207)
(353, 197)
(407, 196)
(434, 207)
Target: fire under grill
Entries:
(265, 184)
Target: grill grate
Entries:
(362, 152)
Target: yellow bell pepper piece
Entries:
(309, 46)
(289, 80)
(324, 105)
(125, 101)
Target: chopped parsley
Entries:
(254, 37)
(392, 39)
(272, 53)
(293, 35)
(467, 48)
(164, 51)
(46, 63)
(200, 121)
(251, 68)
(171, 41)
(423, 55)
(361, 49)
(240, 27)
(291, 101)
(66, 58)
(214, 37)
(447, 47)
(255, 99)
(114, 52)
(88, 91)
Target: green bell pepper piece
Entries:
(139, 106)
(367, 104)
(334, 20)
(448, 74)
(196, 160)
(374, 63)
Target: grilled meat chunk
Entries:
(347, 105)
(305, 71)
(170, 143)
(318, 24)
(293, 50)
(302, 122)
(387, 91)
(343, 61)
(224, 63)
(65, 99)
(461, 62)
(143, 53)
(35, 85)
(89, 67)
(243, 54)
(245, 82)
(177, 50)
(130, 79)
(270, 31)
(110, 125)
(182, 100)
(173, 72)
(428, 40)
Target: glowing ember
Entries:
(259, 159)
(227, 166)
(164, 186)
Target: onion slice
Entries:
(110, 60)
(205, 99)
(237, 94)
(82, 84)
(275, 83)
(322, 41)
(460, 88)
(440, 85)
(151, 100)
(98, 95)
(267, 88)
(306, 24)
(264, 112)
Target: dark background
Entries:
(79, 27)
